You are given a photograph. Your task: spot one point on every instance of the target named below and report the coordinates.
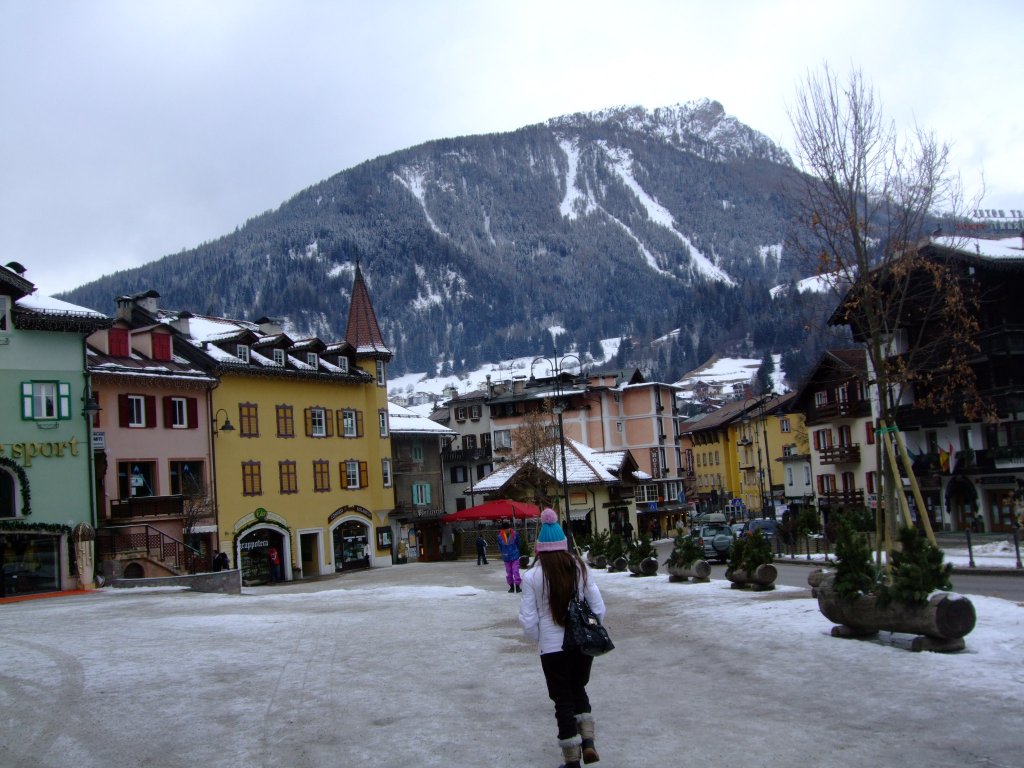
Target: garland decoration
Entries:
(26, 494)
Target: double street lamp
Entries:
(556, 366)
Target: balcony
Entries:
(147, 506)
(840, 454)
(849, 409)
(465, 454)
(841, 499)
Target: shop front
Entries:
(262, 552)
(351, 545)
(30, 561)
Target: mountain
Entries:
(625, 222)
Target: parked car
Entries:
(766, 526)
(737, 529)
(716, 540)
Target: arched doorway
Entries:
(254, 548)
(351, 539)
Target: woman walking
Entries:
(547, 590)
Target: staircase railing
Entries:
(142, 539)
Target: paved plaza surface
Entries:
(425, 665)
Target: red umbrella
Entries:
(495, 510)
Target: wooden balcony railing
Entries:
(840, 454)
(842, 498)
(147, 506)
(849, 409)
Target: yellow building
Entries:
(301, 449)
(763, 433)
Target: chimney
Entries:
(180, 323)
(124, 307)
(270, 326)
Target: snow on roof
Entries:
(1003, 248)
(401, 419)
(583, 466)
(48, 304)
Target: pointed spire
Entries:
(363, 332)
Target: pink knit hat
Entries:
(551, 537)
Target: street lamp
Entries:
(473, 457)
(556, 366)
(225, 426)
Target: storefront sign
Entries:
(25, 452)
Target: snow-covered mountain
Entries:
(625, 223)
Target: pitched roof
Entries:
(403, 421)
(363, 332)
(583, 466)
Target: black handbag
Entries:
(584, 631)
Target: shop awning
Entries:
(495, 510)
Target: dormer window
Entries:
(279, 357)
(161, 347)
(343, 364)
(242, 353)
(117, 342)
(312, 359)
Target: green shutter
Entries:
(64, 400)
(26, 399)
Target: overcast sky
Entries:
(133, 129)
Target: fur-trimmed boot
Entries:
(585, 725)
(571, 751)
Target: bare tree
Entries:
(869, 198)
(536, 448)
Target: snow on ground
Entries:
(426, 665)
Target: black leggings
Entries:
(567, 674)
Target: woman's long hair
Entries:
(562, 573)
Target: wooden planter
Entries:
(940, 624)
(597, 561)
(646, 567)
(763, 578)
(698, 571)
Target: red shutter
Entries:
(869, 428)
(192, 409)
(364, 479)
(817, 440)
(168, 412)
(821, 483)
(117, 342)
(161, 346)
(124, 411)
(150, 411)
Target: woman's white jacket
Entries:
(535, 613)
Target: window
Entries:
(5, 313)
(503, 439)
(485, 440)
(385, 466)
(117, 342)
(807, 474)
(821, 398)
(382, 378)
(317, 422)
(137, 411)
(869, 482)
(417, 451)
(188, 478)
(459, 474)
(161, 346)
(474, 411)
(242, 353)
(460, 413)
(45, 400)
(420, 494)
(279, 357)
(789, 476)
(136, 478)
(252, 483)
(181, 412)
(355, 473)
(312, 359)
(289, 478)
(351, 423)
(248, 420)
(646, 493)
(285, 421)
(869, 433)
(618, 426)
(343, 364)
(822, 439)
(784, 424)
(826, 483)
(382, 422)
(469, 442)
(845, 438)
(321, 475)
(849, 481)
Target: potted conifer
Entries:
(857, 598)
(686, 560)
(750, 564)
(597, 552)
(641, 557)
(616, 554)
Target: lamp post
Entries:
(473, 457)
(556, 366)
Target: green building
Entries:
(46, 471)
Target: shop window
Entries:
(135, 479)
(187, 478)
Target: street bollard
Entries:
(970, 550)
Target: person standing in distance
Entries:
(508, 543)
(542, 614)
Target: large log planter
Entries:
(697, 571)
(597, 561)
(646, 567)
(940, 624)
(618, 564)
(763, 578)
